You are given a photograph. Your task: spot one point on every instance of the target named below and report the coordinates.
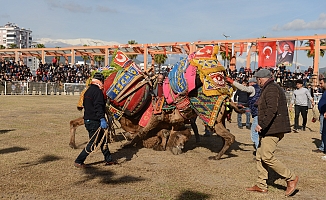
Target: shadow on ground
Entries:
(106, 176)
(42, 160)
(12, 150)
(6, 131)
(215, 143)
(192, 195)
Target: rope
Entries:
(109, 133)
(96, 146)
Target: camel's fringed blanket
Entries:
(207, 108)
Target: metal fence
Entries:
(40, 88)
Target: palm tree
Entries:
(226, 57)
(312, 55)
(40, 46)
(160, 59)
(135, 55)
(99, 59)
(85, 58)
(13, 46)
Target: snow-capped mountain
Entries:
(48, 42)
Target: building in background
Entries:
(12, 35)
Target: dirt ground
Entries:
(37, 163)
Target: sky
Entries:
(158, 21)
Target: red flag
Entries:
(267, 54)
(226, 50)
(205, 52)
(121, 59)
(241, 48)
(311, 44)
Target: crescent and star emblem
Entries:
(270, 48)
(204, 51)
(121, 58)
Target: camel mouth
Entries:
(177, 150)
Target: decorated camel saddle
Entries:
(182, 80)
(127, 90)
(214, 91)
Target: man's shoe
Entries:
(240, 127)
(80, 165)
(317, 151)
(295, 131)
(291, 186)
(303, 128)
(248, 127)
(255, 188)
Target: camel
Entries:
(169, 120)
(171, 132)
(163, 136)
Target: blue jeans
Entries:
(247, 113)
(321, 118)
(254, 134)
(91, 127)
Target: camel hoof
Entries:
(213, 158)
(73, 146)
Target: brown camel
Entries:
(172, 120)
(159, 135)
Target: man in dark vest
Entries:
(254, 91)
(273, 123)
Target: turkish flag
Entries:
(205, 52)
(267, 54)
(121, 59)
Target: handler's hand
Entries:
(104, 125)
(258, 128)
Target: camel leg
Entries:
(73, 126)
(220, 130)
(227, 137)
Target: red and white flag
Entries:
(121, 59)
(267, 54)
(205, 52)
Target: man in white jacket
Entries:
(300, 99)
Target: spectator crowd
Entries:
(282, 76)
(47, 72)
(64, 73)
